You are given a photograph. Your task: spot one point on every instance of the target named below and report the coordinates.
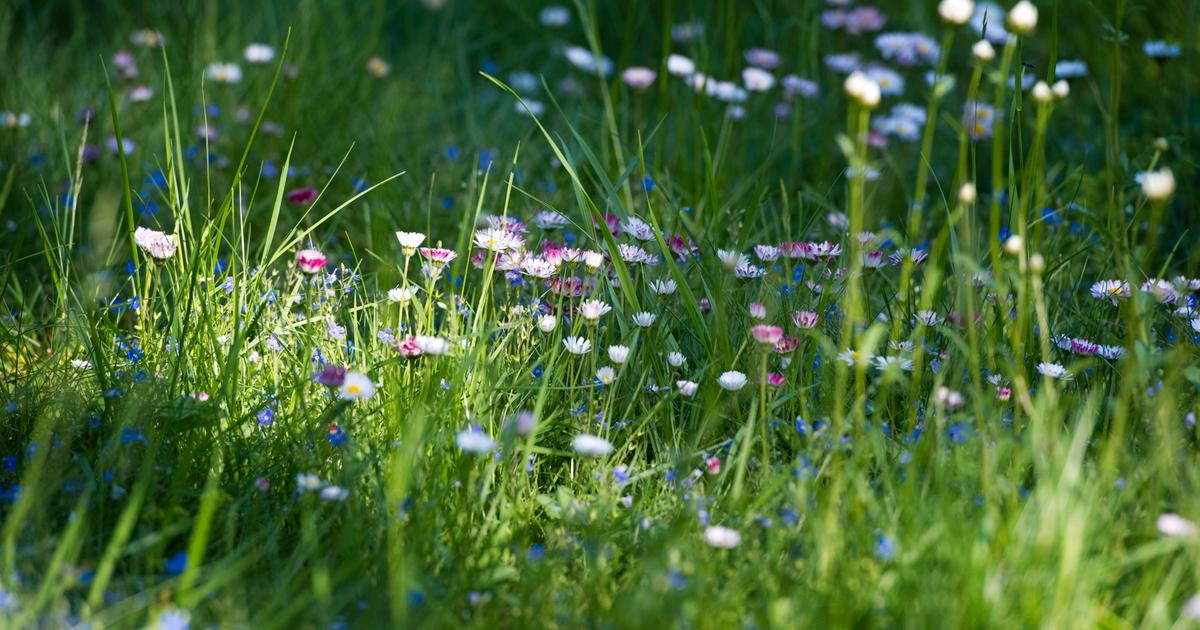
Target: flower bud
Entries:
(863, 89)
(957, 12)
(1014, 245)
(1023, 17)
(983, 51)
(967, 194)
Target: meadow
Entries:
(672, 314)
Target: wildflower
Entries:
(140, 93)
(634, 254)
(333, 493)
(605, 375)
(1014, 244)
(438, 256)
(618, 354)
(687, 388)
(498, 240)
(583, 59)
(577, 345)
(862, 89)
(1023, 17)
(767, 335)
(173, 619)
(731, 258)
(713, 465)
(330, 376)
(644, 319)
(259, 53)
(223, 72)
(555, 16)
(757, 79)
(1061, 89)
(853, 357)
(302, 196)
(474, 441)
(1162, 290)
(794, 85)
(1055, 371)
(433, 346)
(1041, 92)
(158, 245)
(908, 49)
(948, 398)
(308, 482)
(402, 295)
(956, 12)
(9, 120)
(748, 270)
(522, 422)
(593, 310)
(967, 193)
(917, 256)
(680, 66)
(805, 319)
(409, 241)
(378, 68)
(357, 386)
(845, 62)
(638, 77)
(663, 287)
(766, 253)
(593, 260)
(676, 359)
(732, 380)
(1191, 610)
(1175, 525)
(146, 37)
(885, 546)
(310, 260)
(979, 118)
(591, 445)
(883, 363)
(1159, 49)
(408, 347)
(928, 318)
(1158, 185)
(721, 537)
(1110, 290)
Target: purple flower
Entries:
(330, 375)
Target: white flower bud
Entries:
(1042, 93)
(863, 89)
(957, 12)
(967, 194)
(1158, 185)
(983, 51)
(1023, 17)
(1014, 245)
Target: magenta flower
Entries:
(310, 260)
(302, 196)
(408, 347)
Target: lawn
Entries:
(670, 314)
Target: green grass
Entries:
(158, 414)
